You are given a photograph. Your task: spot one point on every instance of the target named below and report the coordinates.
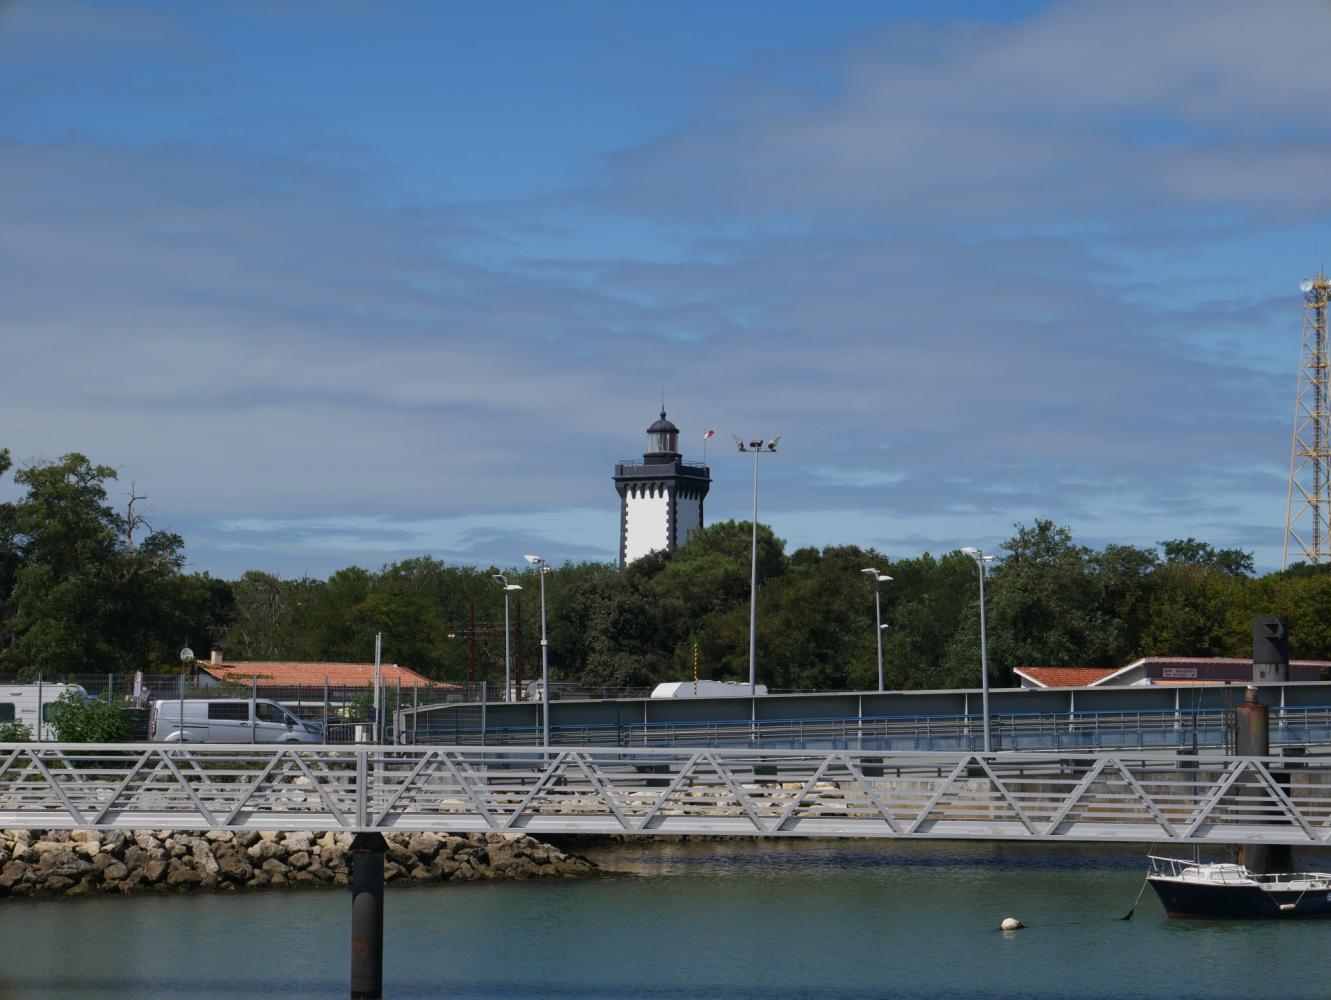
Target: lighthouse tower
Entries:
(660, 498)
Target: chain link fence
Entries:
(346, 713)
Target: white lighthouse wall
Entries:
(687, 512)
(645, 525)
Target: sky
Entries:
(344, 282)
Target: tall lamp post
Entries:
(878, 579)
(502, 580)
(981, 560)
(542, 569)
(757, 447)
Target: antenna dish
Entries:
(1306, 285)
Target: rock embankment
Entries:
(80, 862)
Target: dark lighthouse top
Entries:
(662, 441)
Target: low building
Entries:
(1164, 671)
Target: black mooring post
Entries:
(367, 916)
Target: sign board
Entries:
(1179, 673)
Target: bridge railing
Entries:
(1141, 797)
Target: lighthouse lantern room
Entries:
(661, 497)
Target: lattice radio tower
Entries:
(1308, 517)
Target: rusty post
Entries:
(1253, 739)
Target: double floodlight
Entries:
(757, 445)
(502, 580)
(875, 575)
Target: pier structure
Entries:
(1132, 797)
(1255, 801)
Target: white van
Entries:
(18, 703)
(229, 720)
(707, 689)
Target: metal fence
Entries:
(1137, 730)
(1107, 797)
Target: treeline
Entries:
(88, 588)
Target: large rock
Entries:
(263, 850)
(154, 870)
(334, 857)
(16, 872)
(425, 846)
(62, 864)
(179, 873)
(232, 865)
(295, 842)
(205, 862)
(136, 856)
(114, 842)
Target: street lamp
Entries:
(878, 578)
(542, 568)
(757, 447)
(980, 560)
(502, 580)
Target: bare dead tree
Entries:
(134, 519)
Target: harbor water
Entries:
(832, 920)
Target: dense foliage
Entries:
(77, 721)
(88, 588)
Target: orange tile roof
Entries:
(1065, 677)
(273, 673)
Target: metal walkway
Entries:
(1026, 796)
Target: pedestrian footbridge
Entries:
(1139, 797)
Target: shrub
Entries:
(94, 722)
(15, 732)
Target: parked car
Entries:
(229, 720)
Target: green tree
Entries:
(1042, 604)
(92, 588)
(1190, 552)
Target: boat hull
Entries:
(1239, 902)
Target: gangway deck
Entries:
(1141, 797)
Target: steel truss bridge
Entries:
(1139, 797)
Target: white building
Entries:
(661, 497)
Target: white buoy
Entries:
(1011, 924)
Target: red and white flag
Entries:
(709, 435)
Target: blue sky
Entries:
(346, 282)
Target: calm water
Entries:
(801, 920)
